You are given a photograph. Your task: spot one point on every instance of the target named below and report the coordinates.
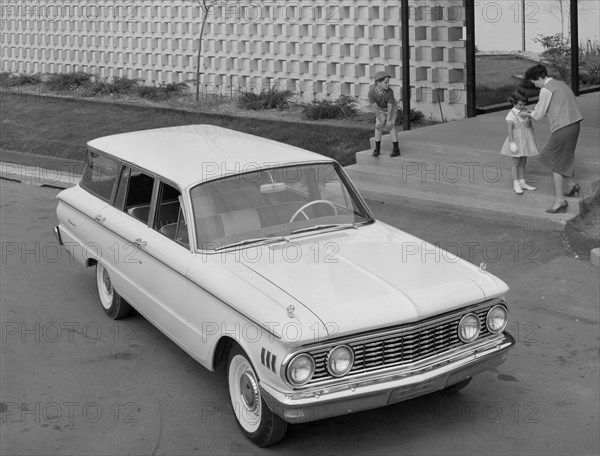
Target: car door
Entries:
(125, 222)
(80, 208)
(165, 247)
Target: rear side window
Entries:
(99, 175)
(134, 194)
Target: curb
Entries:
(595, 256)
(43, 161)
(39, 170)
(486, 215)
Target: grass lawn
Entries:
(494, 77)
(60, 127)
(497, 70)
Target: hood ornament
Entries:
(482, 268)
(290, 311)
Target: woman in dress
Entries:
(557, 101)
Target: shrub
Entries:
(4, 77)
(267, 99)
(68, 81)
(557, 52)
(99, 86)
(163, 91)
(23, 79)
(415, 117)
(341, 108)
(175, 88)
(125, 85)
(555, 46)
(589, 62)
(96, 86)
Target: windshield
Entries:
(265, 205)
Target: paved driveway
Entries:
(75, 382)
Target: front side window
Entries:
(273, 202)
(99, 175)
(169, 219)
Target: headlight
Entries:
(469, 327)
(496, 319)
(340, 360)
(300, 369)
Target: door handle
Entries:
(139, 243)
(100, 219)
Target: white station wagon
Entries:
(263, 256)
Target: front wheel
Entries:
(257, 421)
(112, 303)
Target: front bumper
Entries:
(380, 389)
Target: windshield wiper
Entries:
(266, 240)
(339, 226)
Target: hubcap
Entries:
(245, 394)
(106, 280)
(249, 390)
(105, 287)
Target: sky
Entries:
(498, 23)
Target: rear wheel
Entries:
(257, 421)
(112, 303)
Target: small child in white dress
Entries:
(521, 142)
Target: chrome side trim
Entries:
(263, 327)
(58, 237)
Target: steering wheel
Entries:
(311, 203)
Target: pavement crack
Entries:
(160, 429)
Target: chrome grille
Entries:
(404, 345)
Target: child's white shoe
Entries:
(525, 186)
(517, 188)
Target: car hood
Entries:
(371, 277)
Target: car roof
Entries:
(190, 154)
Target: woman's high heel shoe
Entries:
(561, 208)
(576, 188)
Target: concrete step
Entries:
(461, 170)
(436, 150)
(421, 144)
(498, 205)
(417, 143)
(488, 191)
(415, 147)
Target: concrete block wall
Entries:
(316, 48)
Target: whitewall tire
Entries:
(112, 303)
(254, 417)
